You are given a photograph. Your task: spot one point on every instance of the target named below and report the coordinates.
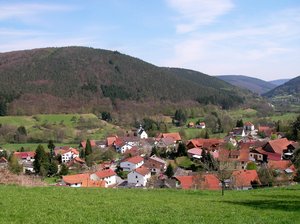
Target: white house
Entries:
(125, 147)
(142, 133)
(201, 125)
(108, 175)
(132, 163)
(248, 126)
(68, 155)
(139, 176)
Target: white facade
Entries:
(138, 179)
(128, 166)
(111, 180)
(143, 135)
(68, 156)
(125, 147)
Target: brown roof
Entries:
(105, 173)
(142, 170)
(110, 140)
(244, 155)
(278, 145)
(176, 136)
(201, 142)
(280, 165)
(24, 155)
(186, 182)
(211, 182)
(93, 143)
(135, 159)
(76, 178)
(243, 178)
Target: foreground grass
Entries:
(66, 205)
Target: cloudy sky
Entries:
(258, 38)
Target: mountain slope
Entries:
(279, 82)
(76, 79)
(253, 84)
(291, 87)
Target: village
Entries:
(247, 158)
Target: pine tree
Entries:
(181, 150)
(53, 168)
(13, 164)
(41, 161)
(170, 171)
(64, 170)
(51, 146)
(88, 148)
(154, 151)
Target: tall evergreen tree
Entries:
(51, 147)
(169, 171)
(64, 170)
(41, 161)
(239, 123)
(88, 148)
(181, 150)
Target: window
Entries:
(136, 177)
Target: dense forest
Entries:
(80, 79)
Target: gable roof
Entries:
(195, 151)
(157, 159)
(105, 173)
(248, 123)
(207, 143)
(186, 182)
(142, 170)
(278, 145)
(110, 140)
(83, 143)
(175, 135)
(24, 155)
(243, 178)
(134, 160)
(279, 165)
(211, 182)
(76, 178)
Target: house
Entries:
(239, 132)
(185, 182)
(81, 180)
(132, 163)
(210, 144)
(210, 182)
(175, 135)
(248, 126)
(25, 156)
(282, 166)
(123, 147)
(201, 125)
(194, 153)
(75, 163)
(141, 133)
(166, 143)
(111, 140)
(68, 155)
(265, 130)
(156, 164)
(139, 177)
(244, 179)
(107, 175)
(191, 125)
(257, 155)
(282, 147)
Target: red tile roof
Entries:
(83, 143)
(24, 155)
(105, 173)
(280, 165)
(135, 159)
(248, 123)
(110, 140)
(176, 136)
(76, 178)
(211, 182)
(186, 182)
(244, 155)
(201, 142)
(195, 151)
(243, 178)
(142, 170)
(278, 145)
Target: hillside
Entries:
(253, 84)
(69, 205)
(279, 82)
(291, 87)
(80, 79)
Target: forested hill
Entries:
(291, 87)
(54, 80)
(253, 84)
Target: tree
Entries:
(265, 175)
(223, 173)
(51, 146)
(82, 154)
(206, 135)
(169, 171)
(296, 129)
(88, 148)
(251, 166)
(3, 153)
(41, 161)
(296, 158)
(297, 176)
(13, 164)
(154, 151)
(179, 118)
(181, 150)
(106, 116)
(239, 123)
(64, 170)
(53, 168)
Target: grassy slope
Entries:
(65, 205)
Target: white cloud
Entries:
(194, 13)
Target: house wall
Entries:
(144, 135)
(155, 166)
(68, 156)
(138, 179)
(127, 166)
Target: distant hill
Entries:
(279, 82)
(253, 84)
(291, 87)
(80, 79)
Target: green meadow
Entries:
(69, 205)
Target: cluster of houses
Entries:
(143, 170)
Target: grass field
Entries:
(66, 205)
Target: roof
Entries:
(278, 145)
(244, 155)
(76, 178)
(134, 160)
(24, 155)
(142, 170)
(110, 140)
(167, 141)
(195, 151)
(93, 183)
(243, 178)
(83, 143)
(201, 142)
(211, 182)
(105, 173)
(157, 159)
(65, 149)
(175, 135)
(134, 151)
(248, 123)
(279, 165)
(186, 182)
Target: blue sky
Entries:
(258, 38)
